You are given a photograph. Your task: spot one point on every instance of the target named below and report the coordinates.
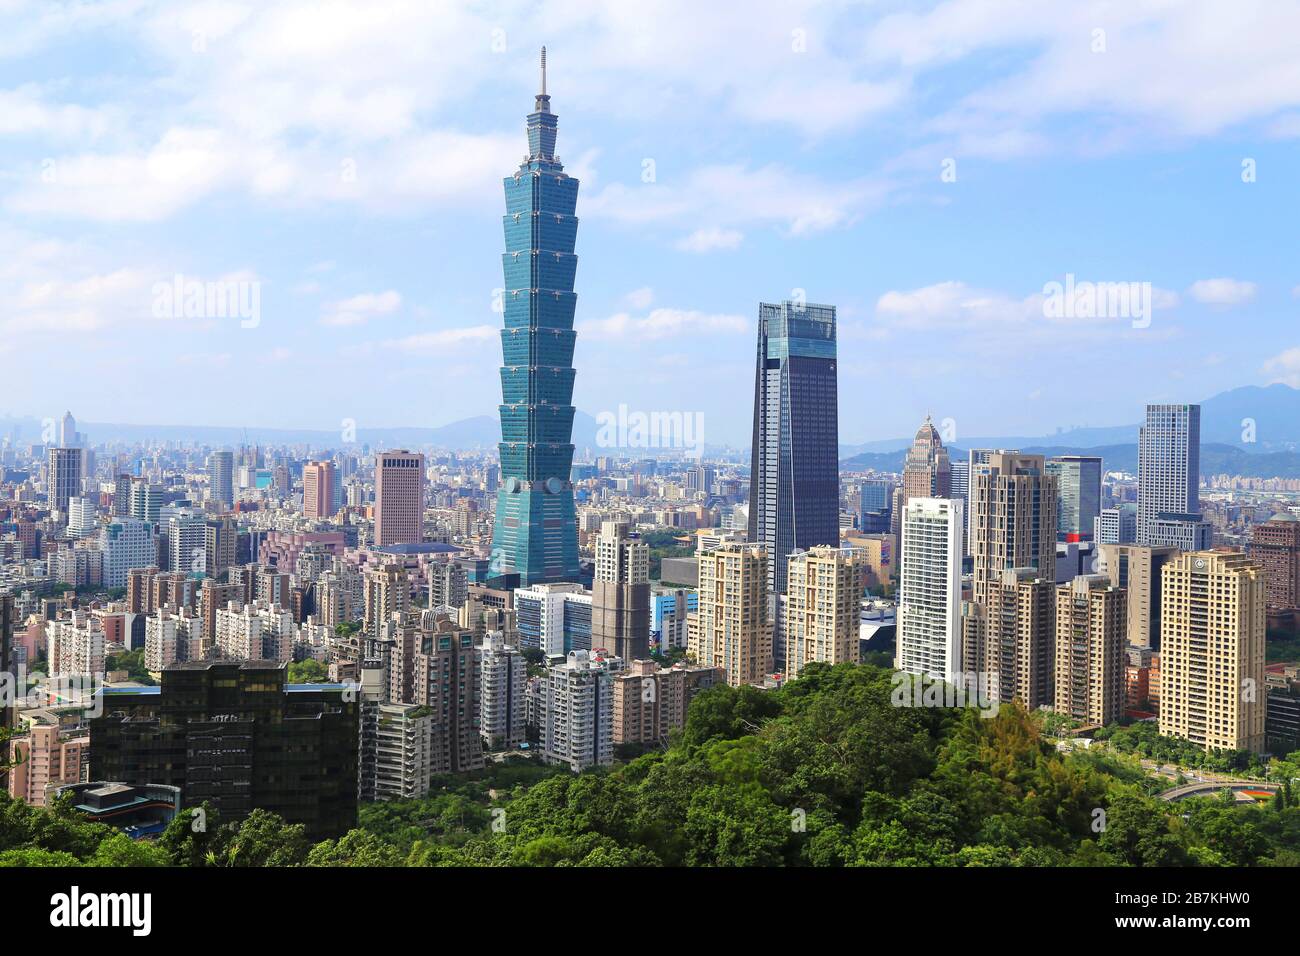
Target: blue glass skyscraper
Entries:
(536, 529)
(794, 483)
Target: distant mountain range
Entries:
(1273, 411)
(1216, 459)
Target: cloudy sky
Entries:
(926, 167)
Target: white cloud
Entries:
(709, 239)
(640, 298)
(1284, 367)
(1224, 292)
(443, 340)
(362, 308)
(660, 324)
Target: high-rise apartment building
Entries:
(1212, 627)
(1169, 472)
(794, 485)
(503, 673)
(221, 478)
(388, 592)
(146, 501)
(577, 719)
(929, 589)
(53, 752)
(1091, 655)
(1136, 569)
(1078, 495)
(1012, 635)
(822, 607)
(1013, 518)
(732, 629)
(399, 498)
(319, 482)
(437, 659)
(535, 534)
(1275, 547)
(620, 593)
(126, 544)
(6, 667)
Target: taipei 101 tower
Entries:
(536, 529)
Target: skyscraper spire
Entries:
(543, 101)
(543, 71)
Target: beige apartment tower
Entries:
(1212, 650)
(732, 629)
(318, 478)
(1013, 637)
(620, 593)
(1013, 519)
(1091, 653)
(1136, 569)
(822, 607)
(399, 498)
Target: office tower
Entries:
(620, 593)
(960, 490)
(1212, 630)
(68, 431)
(219, 536)
(1078, 491)
(927, 472)
(63, 477)
(1012, 637)
(577, 719)
(1091, 621)
(6, 667)
(236, 735)
(503, 672)
(399, 498)
(1137, 569)
(126, 544)
(823, 603)
(146, 501)
(732, 629)
(535, 534)
(121, 496)
(319, 488)
(794, 485)
(554, 617)
(1169, 471)
(1116, 525)
(929, 589)
(83, 517)
(876, 500)
(1013, 524)
(388, 592)
(221, 478)
(1184, 532)
(1275, 547)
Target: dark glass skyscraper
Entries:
(794, 489)
(536, 530)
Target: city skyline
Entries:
(694, 210)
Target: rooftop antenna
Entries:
(543, 71)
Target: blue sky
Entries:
(347, 157)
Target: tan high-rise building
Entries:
(318, 488)
(388, 592)
(823, 602)
(620, 593)
(1013, 637)
(1013, 519)
(1091, 654)
(399, 498)
(1275, 547)
(1213, 606)
(732, 629)
(1136, 569)
(927, 472)
(650, 701)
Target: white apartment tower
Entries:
(929, 590)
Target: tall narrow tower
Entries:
(536, 530)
